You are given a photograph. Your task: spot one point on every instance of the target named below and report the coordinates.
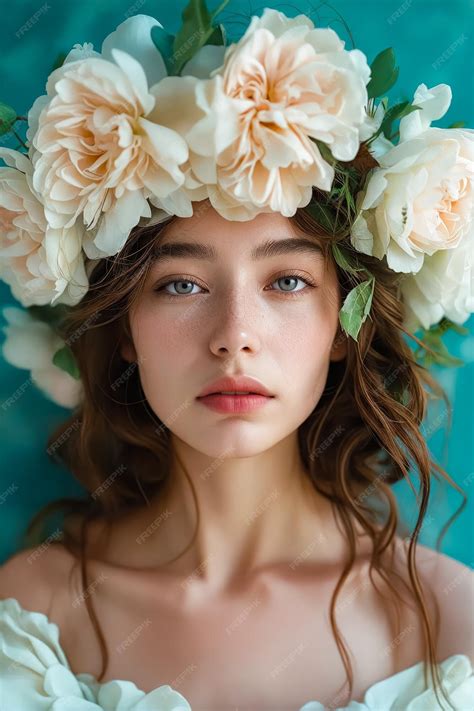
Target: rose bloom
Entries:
(444, 287)
(250, 126)
(417, 210)
(31, 344)
(40, 264)
(421, 199)
(95, 153)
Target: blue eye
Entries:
(190, 282)
(287, 277)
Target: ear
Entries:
(339, 346)
(127, 351)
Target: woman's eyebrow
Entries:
(270, 248)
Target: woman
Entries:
(238, 551)
(238, 613)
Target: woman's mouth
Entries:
(234, 403)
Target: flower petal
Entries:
(133, 36)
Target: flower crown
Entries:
(284, 118)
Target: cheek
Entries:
(167, 346)
(304, 356)
(305, 350)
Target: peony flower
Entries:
(250, 126)
(31, 344)
(444, 287)
(96, 155)
(421, 199)
(41, 265)
(133, 36)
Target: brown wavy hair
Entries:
(364, 432)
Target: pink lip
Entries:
(234, 404)
(243, 383)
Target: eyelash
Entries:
(310, 284)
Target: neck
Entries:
(256, 512)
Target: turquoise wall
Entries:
(421, 32)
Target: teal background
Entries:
(419, 31)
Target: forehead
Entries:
(208, 235)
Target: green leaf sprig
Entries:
(64, 359)
(356, 306)
(432, 338)
(197, 30)
(53, 316)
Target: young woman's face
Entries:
(200, 319)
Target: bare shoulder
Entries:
(32, 576)
(452, 584)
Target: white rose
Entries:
(421, 199)
(41, 265)
(96, 154)
(31, 344)
(250, 126)
(444, 287)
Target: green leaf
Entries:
(395, 113)
(461, 330)
(218, 36)
(195, 32)
(322, 214)
(356, 307)
(59, 61)
(432, 337)
(384, 73)
(164, 42)
(458, 124)
(64, 359)
(343, 260)
(397, 389)
(325, 152)
(8, 117)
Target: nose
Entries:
(236, 327)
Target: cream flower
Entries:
(96, 155)
(133, 36)
(250, 126)
(444, 287)
(421, 199)
(31, 344)
(41, 265)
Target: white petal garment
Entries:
(35, 676)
